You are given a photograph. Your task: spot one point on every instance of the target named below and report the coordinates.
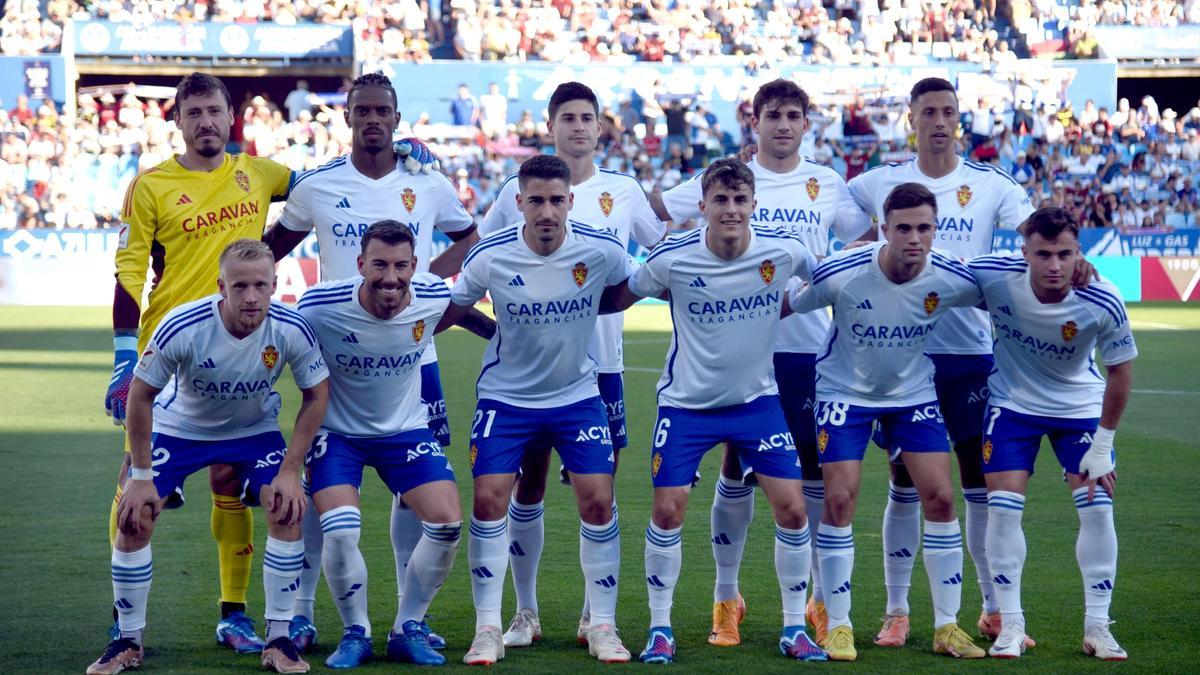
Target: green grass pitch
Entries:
(60, 455)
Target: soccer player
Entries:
(609, 201)
(795, 195)
(340, 200)
(727, 283)
(538, 388)
(203, 394)
(973, 200)
(1047, 384)
(886, 298)
(177, 218)
(373, 330)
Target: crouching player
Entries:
(886, 299)
(373, 330)
(203, 394)
(1046, 384)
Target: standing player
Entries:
(973, 200)
(609, 201)
(799, 196)
(177, 218)
(1047, 384)
(373, 330)
(886, 298)
(220, 357)
(339, 200)
(727, 283)
(538, 389)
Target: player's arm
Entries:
(282, 239)
(139, 491)
(680, 203)
(139, 222)
(284, 497)
(450, 261)
(469, 318)
(293, 225)
(619, 298)
(1097, 465)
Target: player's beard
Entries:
(209, 151)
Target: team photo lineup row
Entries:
(554, 261)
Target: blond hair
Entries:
(247, 250)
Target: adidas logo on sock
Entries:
(1105, 585)
(208, 363)
(517, 281)
(515, 549)
(698, 282)
(183, 199)
(123, 604)
(1001, 579)
(607, 582)
(954, 580)
(844, 588)
(799, 588)
(351, 338)
(352, 591)
(482, 573)
(343, 204)
(295, 585)
(721, 539)
(865, 304)
(902, 553)
(653, 580)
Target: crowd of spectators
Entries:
(581, 31)
(1132, 167)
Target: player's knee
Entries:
(939, 504)
(900, 475)
(491, 501)
(839, 503)
(596, 511)
(531, 488)
(667, 514)
(441, 514)
(277, 529)
(791, 516)
(224, 480)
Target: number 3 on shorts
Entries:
(832, 413)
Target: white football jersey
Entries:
(610, 201)
(810, 201)
(341, 203)
(973, 201)
(216, 387)
(1044, 352)
(874, 354)
(374, 365)
(725, 313)
(546, 308)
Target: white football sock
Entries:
(814, 502)
(132, 573)
(345, 569)
(732, 511)
(901, 539)
(1096, 552)
(427, 570)
(793, 563)
(282, 563)
(487, 556)
(975, 521)
(943, 563)
(1006, 549)
(526, 537)
(835, 551)
(664, 555)
(404, 528)
(600, 558)
(310, 573)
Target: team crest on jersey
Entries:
(243, 181)
(987, 451)
(1069, 330)
(409, 199)
(767, 271)
(418, 330)
(147, 358)
(472, 455)
(270, 357)
(655, 464)
(813, 188)
(579, 274)
(822, 440)
(964, 195)
(606, 203)
(931, 302)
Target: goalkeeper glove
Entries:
(125, 357)
(415, 157)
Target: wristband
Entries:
(1102, 440)
(140, 474)
(126, 343)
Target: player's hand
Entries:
(284, 498)
(747, 153)
(125, 358)
(415, 157)
(1084, 273)
(857, 243)
(1098, 465)
(136, 495)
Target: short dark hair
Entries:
(371, 80)
(1049, 221)
(390, 232)
(571, 91)
(927, 85)
(544, 167)
(199, 84)
(909, 196)
(782, 91)
(729, 172)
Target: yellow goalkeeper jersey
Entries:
(180, 221)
